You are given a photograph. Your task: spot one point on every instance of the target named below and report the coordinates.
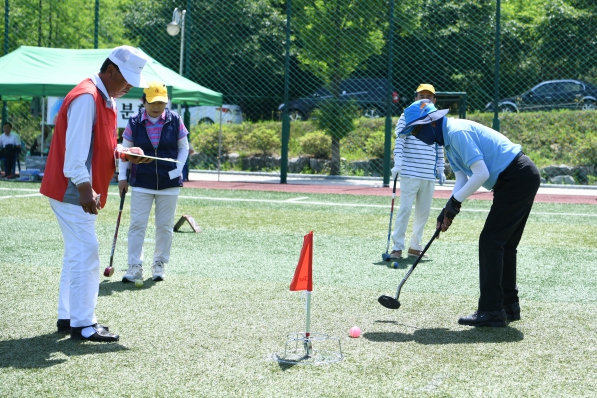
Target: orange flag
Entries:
(303, 275)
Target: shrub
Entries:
(205, 138)
(298, 130)
(374, 146)
(364, 141)
(317, 144)
(263, 140)
(558, 137)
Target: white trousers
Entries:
(79, 280)
(419, 192)
(165, 207)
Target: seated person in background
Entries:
(36, 148)
(9, 144)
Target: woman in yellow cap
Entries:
(161, 133)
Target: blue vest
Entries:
(154, 175)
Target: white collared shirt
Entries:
(8, 140)
(81, 119)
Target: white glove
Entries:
(395, 172)
(442, 178)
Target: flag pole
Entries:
(308, 345)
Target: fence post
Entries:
(285, 117)
(496, 81)
(388, 136)
(6, 9)
(187, 117)
(96, 26)
(188, 34)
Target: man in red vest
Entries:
(80, 165)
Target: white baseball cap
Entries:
(130, 61)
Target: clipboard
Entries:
(152, 157)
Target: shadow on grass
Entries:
(48, 350)
(107, 287)
(447, 336)
(403, 263)
(285, 366)
(388, 264)
(397, 323)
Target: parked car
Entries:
(552, 94)
(369, 94)
(211, 114)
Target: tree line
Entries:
(237, 47)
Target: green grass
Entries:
(210, 329)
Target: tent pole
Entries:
(220, 143)
(43, 123)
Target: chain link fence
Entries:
(351, 69)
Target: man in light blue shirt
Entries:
(480, 156)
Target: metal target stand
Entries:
(308, 348)
(303, 348)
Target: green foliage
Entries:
(336, 117)
(317, 144)
(298, 130)
(374, 146)
(235, 136)
(205, 138)
(64, 23)
(327, 34)
(567, 48)
(263, 140)
(562, 137)
(526, 11)
(328, 31)
(23, 123)
(233, 47)
(366, 140)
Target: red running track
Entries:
(364, 190)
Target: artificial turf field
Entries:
(210, 329)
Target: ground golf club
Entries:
(392, 302)
(109, 271)
(386, 256)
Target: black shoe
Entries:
(512, 311)
(101, 334)
(63, 326)
(485, 318)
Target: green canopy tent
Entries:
(31, 72)
(41, 72)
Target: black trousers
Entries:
(513, 196)
(8, 153)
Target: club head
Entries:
(108, 272)
(389, 302)
(385, 257)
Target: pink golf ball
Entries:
(355, 331)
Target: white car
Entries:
(230, 114)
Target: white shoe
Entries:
(134, 273)
(157, 271)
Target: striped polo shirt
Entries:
(154, 130)
(419, 160)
